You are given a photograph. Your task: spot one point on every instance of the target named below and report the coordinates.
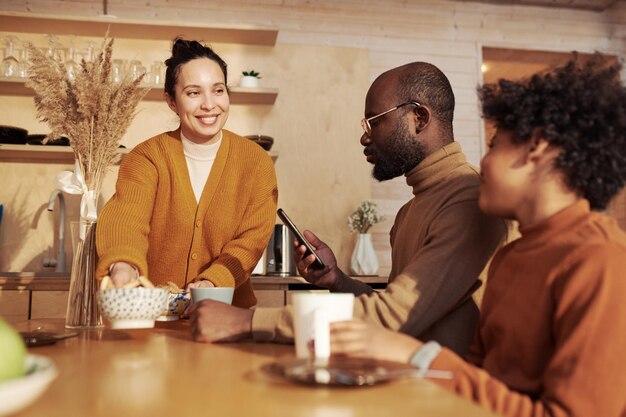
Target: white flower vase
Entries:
(364, 261)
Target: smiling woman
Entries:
(164, 220)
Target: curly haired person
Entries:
(551, 336)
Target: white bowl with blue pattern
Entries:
(132, 308)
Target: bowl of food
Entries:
(133, 306)
(19, 392)
(264, 142)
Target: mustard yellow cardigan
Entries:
(154, 222)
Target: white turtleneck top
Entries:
(200, 158)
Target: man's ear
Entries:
(422, 118)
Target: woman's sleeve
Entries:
(241, 254)
(586, 375)
(124, 223)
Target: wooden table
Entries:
(162, 372)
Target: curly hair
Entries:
(581, 109)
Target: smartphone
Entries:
(317, 263)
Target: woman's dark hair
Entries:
(184, 51)
(579, 108)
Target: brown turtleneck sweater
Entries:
(552, 333)
(440, 243)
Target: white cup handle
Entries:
(321, 334)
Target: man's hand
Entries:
(214, 321)
(325, 278)
(363, 340)
(122, 273)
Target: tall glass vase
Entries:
(82, 306)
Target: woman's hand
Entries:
(200, 283)
(364, 340)
(122, 273)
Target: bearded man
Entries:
(440, 239)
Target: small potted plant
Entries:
(249, 79)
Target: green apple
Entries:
(12, 352)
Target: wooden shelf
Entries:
(134, 29)
(238, 95)
(51, 153)
(40, 153)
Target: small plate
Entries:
(341, 371)
(37, 338)
(17, 393)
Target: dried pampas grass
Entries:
(92, 111)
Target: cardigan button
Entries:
(198, 223)
(194, 256)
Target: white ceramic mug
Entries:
(223, 294)
(313, 313)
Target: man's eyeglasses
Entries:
(365, 123)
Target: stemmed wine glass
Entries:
(10, 62)
(24, 64)
(71, 66)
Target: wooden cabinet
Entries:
(25, 295)
(48, 304)
(14, 305)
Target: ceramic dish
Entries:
(341, 371)
(265, 142)
(38, 338)
(16, 394)
(132, 308)
(176, 306)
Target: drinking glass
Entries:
(136, 69)
(71, 65)
(10, 62)
(157, 71)
(117, 70)
(24, 63)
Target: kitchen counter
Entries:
(55, 281)
(36, 295)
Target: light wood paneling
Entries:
(48, 304)
(14, 305)
(314, 122)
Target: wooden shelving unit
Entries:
(138, 29)
(128, 29)
(238, 95)
(134, 29)
(53, 154)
